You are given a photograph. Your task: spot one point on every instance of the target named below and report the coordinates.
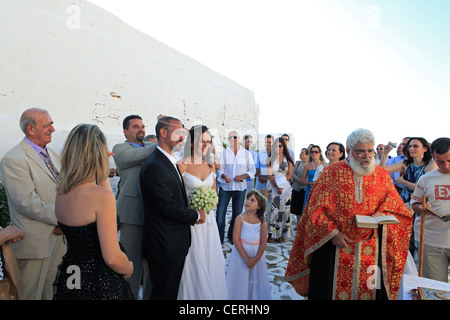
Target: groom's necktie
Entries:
(182, 183)
(180, 176)
(179, 172)
(50, 165)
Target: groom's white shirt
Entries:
(174, 162)
(171, 159)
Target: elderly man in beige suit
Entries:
(129, 157)
(29, 173)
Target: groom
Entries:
(167, 218)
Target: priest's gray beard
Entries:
(361, 169)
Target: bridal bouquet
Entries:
(203, 198)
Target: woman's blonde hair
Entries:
(84, 158)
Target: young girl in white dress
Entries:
(247, 277)
(203, 275)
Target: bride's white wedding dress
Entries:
(203, 275)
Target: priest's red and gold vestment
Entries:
(337, 196)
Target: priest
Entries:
(331, 257)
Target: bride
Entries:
(203, 275)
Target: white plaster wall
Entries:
(88, 66)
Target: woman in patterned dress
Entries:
(280, 168)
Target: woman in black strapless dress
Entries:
(94, 267)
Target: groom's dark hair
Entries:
(164, 122)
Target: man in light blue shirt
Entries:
(286, 138)
(261, 164)
(236, 165)
(395, 160)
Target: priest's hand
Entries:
(378, 214)
(341, 240)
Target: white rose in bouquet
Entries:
(203, 198)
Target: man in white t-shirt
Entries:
(435, 185)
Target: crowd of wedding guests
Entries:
(144, 241)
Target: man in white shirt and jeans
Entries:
(236, 165)
(435, 185)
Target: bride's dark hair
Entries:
(194, 138)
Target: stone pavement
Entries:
(277, 257)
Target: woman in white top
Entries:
(279, 171)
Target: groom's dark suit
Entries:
(166, 228)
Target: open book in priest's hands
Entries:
(373, 222)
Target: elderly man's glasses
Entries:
(232, 137)
(360, 152)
